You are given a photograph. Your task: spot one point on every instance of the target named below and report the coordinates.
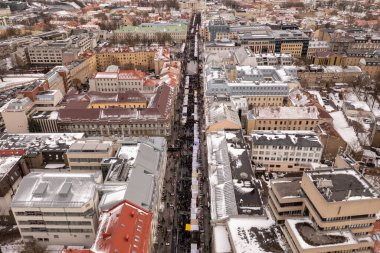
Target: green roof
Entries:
(152, 27)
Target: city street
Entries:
(172, 236)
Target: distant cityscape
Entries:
(192, 126)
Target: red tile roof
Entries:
(124, 228)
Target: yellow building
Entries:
(329, 205)
(125, 58)
(329, 59)
(294, 48)
(370, 66)
(283, 118)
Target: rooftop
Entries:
(342, 185)
(52, 190)
(233, 188)
(153, 27)
(123, 228)
(287, 187)
(37, 142)
(259, 235)
(137, 166)
(284, 112)
(308, 237)
(7, 163)
(286, 138)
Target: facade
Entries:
(221, 116)
(12, 170)
(286, 150)
(370, 66)
(118, 81)
(318, 75)
(60, 51)
(330, 201)
(177, 31)
(57, 208)
(87, 155)
(329, 59)
(82, 69)
(130, 57)
(317, 46)
(16, 114)
(262, 85)
(283, 118)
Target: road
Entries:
(172, 236)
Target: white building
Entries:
(115, 80)
(57, 208)
(16, 113)
(286, 150)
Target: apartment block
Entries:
(323, 211)
(177, 31)
(283, 118)
(57, 208)
(59, 51)
(286, 150)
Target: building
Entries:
(82, 69)
(137, 172)
(317, 76)
(87, 155)
(60, 52)
(262, 85)
(115, 80)
(140, 58)
(221, 116)
(233, 188)
(16, 115)
(283, 118)
(39, 150)
(370, 66)
(317, 46)
(331, 203)
(57, 208)
(124, 227)
(329, 59)
(286, 150)
(155, 120)
(12, 170)
(177, 31)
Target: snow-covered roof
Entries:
(346, 131)
(284, 112)
(258, 235)
(52, 190)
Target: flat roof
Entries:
(342, 185)
(286, 138)
(284, 112)
(52, 190)
(287, 187)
